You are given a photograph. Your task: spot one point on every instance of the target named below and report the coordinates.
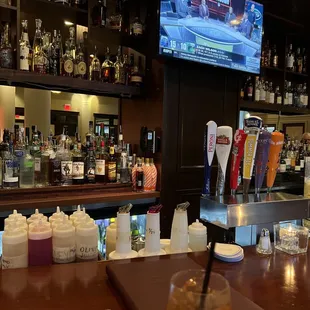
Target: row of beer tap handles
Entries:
(254, 145)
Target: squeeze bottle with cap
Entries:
(57, 215)
(76, 213)
(111, 239)
(60, 221)
(14, 247)
(40, 244)
(197, 236)
(64, 243)
(86, 242)
(82, 220)
(37, 216)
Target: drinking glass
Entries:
(186, 288)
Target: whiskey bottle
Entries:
(47, 49)
(94, 69)
(262, 94)
(39, 61)
(278, 96)
(27, 168)
(119, 68)
(85, 52)
(290, 59)
(77, 165)
(71, 42)
(10, 168)
(137, 77)
(102, 159)
(55, 169)
(55, 55)
(99, 13)
(257, 89)
(112, 165)
(79, 64)
(271, 93)
(299, 61)
(275, 57)
(137, 27)
(66, 165)
(139, 177)
(285, 95)
(304, 61)
(24, 48)
(108, 69)
(115, 20)
(90, 162)
(127, 69)
(67, 62)
(290, 93)
(6, 51)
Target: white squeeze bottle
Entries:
(197, 236)
(111, 239)
(60, 221)
(15, 217)
(57, 215)
(14, 247)
(87, 242)
(82, 220)
(77, 213)
(64, 243)
(37, 216)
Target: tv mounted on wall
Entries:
(224, 33)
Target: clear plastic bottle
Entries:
(197, 236)
(27, 168)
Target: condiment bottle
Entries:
(110, 239)
(64, 243)
(14, 217)
(81, 220)
(37, 216)
(14, 247)
(19, 223)
(60, 221)
(87, 242)
(57, 215)
(197, 236)
(77, 213)
(40, 244)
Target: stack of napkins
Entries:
(229, 253)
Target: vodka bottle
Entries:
(27, 168)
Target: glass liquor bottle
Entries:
(136, 76)
(19, 147)
(47, 49)
(77, 165)
(125, 17)
(285, 96)
(137, 27)
(46, 154)
(275, 57)
(127, 69)
(66, 165)
(67, 62)
(55, 55)
(290, 59)
(39, 61)
(139, 177)
(262, 94)
(298, 61)
(55, 169)
(4, 145)
(25, 48)
(278, 96)
(257, 89)
(271, 93)
(27, 168)
(6, 51)
(267, 91)
(304, 61)
(90, 162)
(108, 69)
(112, 165)
(305, 93)
(115, 20)
(10, 168)
(119, 68)
(71, 42)
(94, 68)
(102, 159)
(85, 52)
(99, 13)
(290, 93)
(80, 64)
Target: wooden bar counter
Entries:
(276, 282)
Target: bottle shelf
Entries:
(272, 69)
(296, 73)
(66, 84)
(52, 196)
(271, 108)
(6, 6)
(65, 7)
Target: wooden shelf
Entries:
(65, 7)
(297, 74)
(66, 84)
(6, 6)
(273, 69)
(46, 197)
(271, 108)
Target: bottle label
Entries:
(28, 164)
(285, 101)
(297, 168)
(19, 153)
(257, 94)
(10, 174)
(271, 97)
(87, 252)
(302, 163)
(100, 167)
(137, 29)
(15, 262)
(64, 255)
(37, 164)
(112, 171)
(290, 98)
(288, 163)
(279, 100)
(78, 170)
(6, 58)
(136, 79)
(39, 68)
(81, 68)
(139, 183)
(66, 169)
(262, 95)
(290, 61)
(305, 103)
(282, 167)
(68, 66)
(250, 92)
(302, 98)
(24, 54)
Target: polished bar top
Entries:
(279, 281)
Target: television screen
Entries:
(225, 33)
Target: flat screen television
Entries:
(224, 33)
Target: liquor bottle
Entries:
(46, 153)
(137, 27)
(102, 160)
(285, 95)
(290, 93)
(290, 59)
(108, 69)
(99, 13)
(271, 93)
(66, 165)
(119, 68)
(125, 17)
(112, 165)
(4, 145)
(46, 47)
(305, 94)
(302, 155)
(55, 67)
(59, 38)
(90, 162)
(275, 58)
(139, 177)
(94, 69)
(78, 172)
(257, 89)
(55, 169)
(297, 161)
(39, 61)
(136, 76)
(6, 51)
(127, 69)
(90, 136)
(262, 93)
(124, 169)
(278, 96)
(19, 147)
(267, 92)
(10, 168)
(304, 61)
(24, 48)
(299, 61)
(71, 42)
(283, 159)
(80, 64)
(300, 90)
(115, 20)
(67, 62)
(27, 168)
(293, 156)
(85, 52)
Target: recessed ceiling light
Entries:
(68, 23)
(56, 91)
